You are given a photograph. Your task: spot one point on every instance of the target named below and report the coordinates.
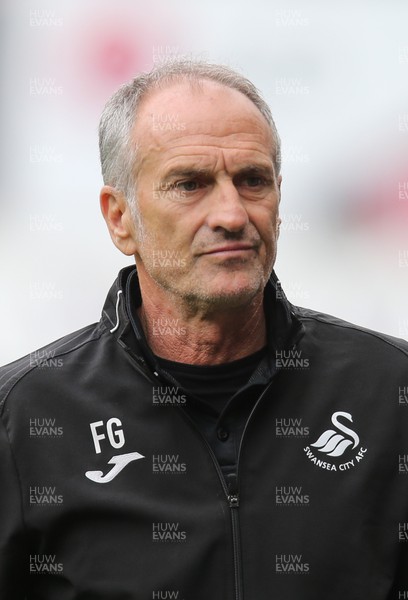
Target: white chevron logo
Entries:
(119, 463)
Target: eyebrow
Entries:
(191, 173)
(185, 173)
(262, 169)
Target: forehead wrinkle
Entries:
(208, 148)
(242, 151)
(228, 160)
(249, 133)
(245, 155)
(229, 142)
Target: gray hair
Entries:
(118, 153)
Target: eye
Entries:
(254, 181)
(187, 186)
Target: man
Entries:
(206, 439)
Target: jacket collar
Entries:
(120, 317)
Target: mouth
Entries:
(234, 248)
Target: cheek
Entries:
(152, 217)
(265, 220)
(166, 230)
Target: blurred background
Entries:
(336, 78)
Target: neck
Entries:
(176, 332)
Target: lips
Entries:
(237, 247)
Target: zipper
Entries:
(231, 493)
(233, 501)
(237, 551)
(232, 497)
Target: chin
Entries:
(230, 296)
(237, 284)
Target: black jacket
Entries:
(109, 491)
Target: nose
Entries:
(226, 208)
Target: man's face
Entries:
(207, 195)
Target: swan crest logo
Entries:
(334, 443)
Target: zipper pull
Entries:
(233, 496)
(233, 500)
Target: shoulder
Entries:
(330, 328)
(46, 360)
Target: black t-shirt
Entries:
(213, 385)
(220, 399)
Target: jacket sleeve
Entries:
(13, 558)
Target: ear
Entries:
(279, 181)
(279, 220)
(117, 215)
